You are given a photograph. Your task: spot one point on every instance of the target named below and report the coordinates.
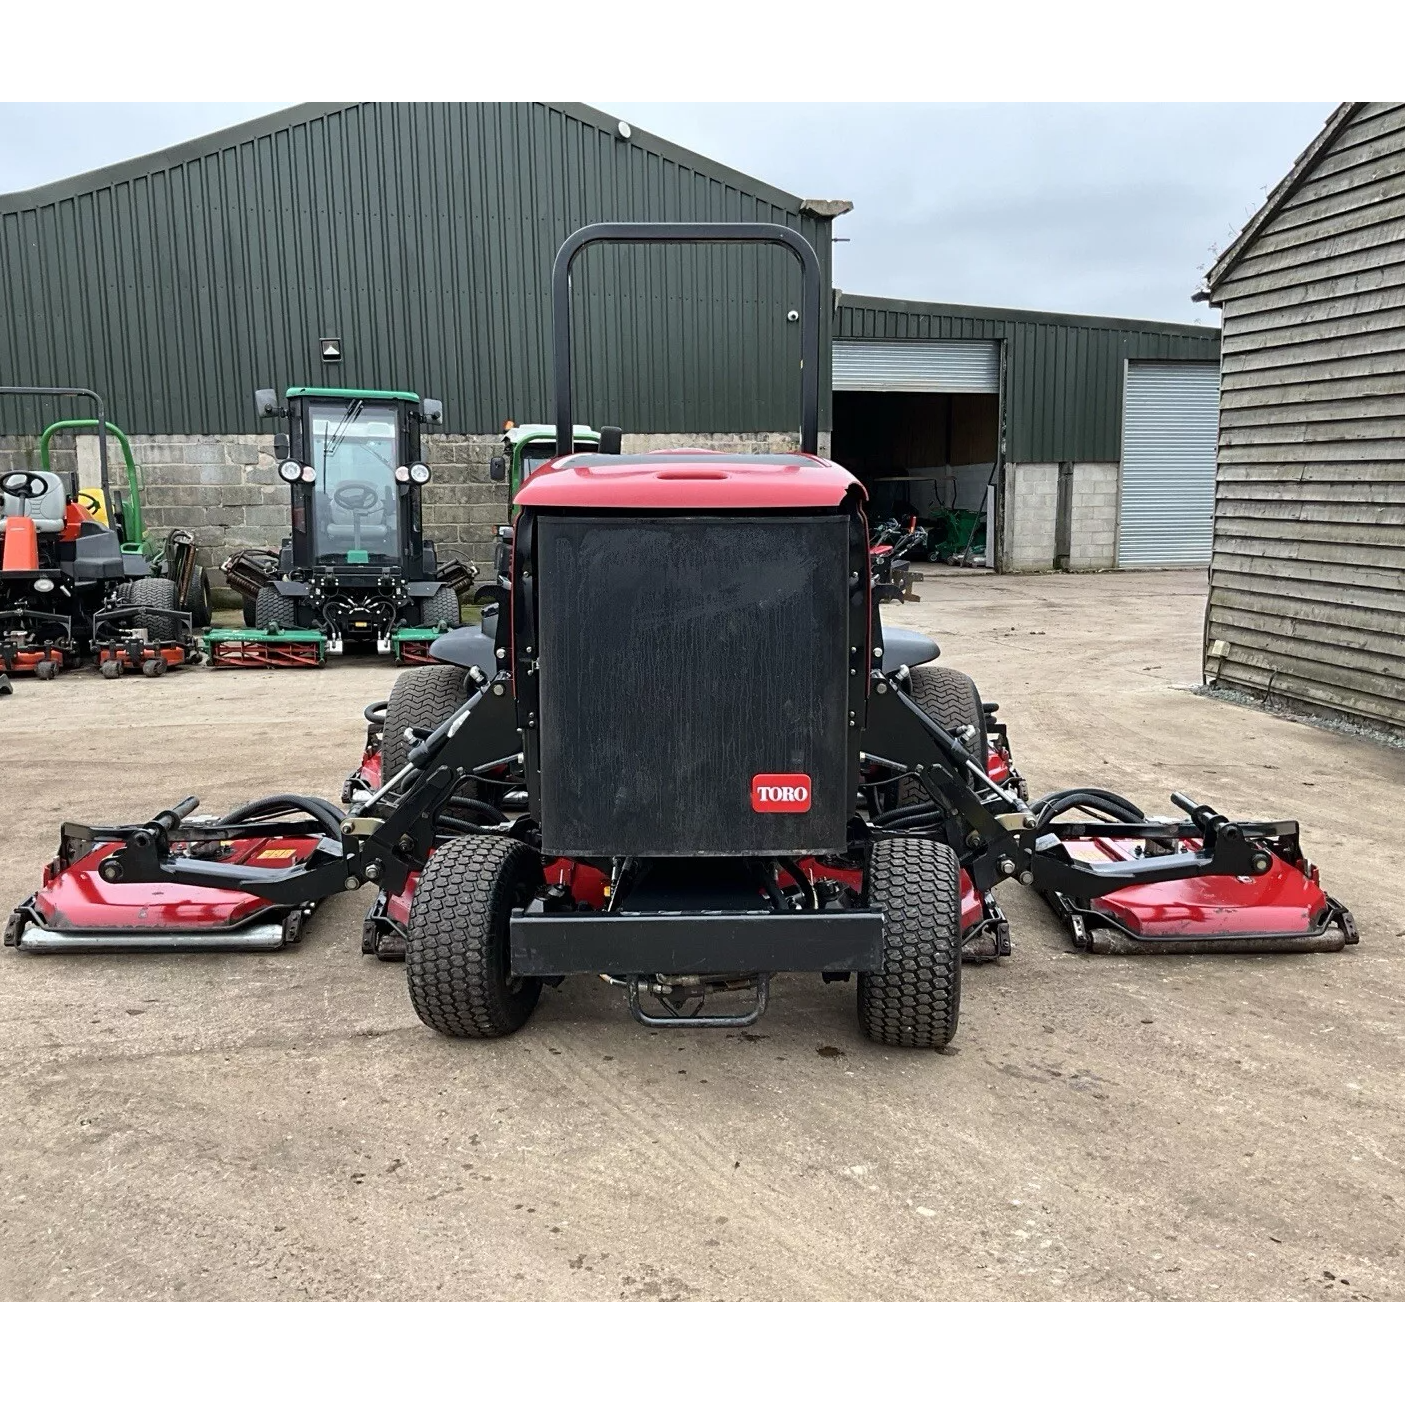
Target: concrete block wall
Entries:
(225, 489)
(1029, 530)
(1029, 519)
(1093, 534)
(22, 451)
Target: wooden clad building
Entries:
(1307, 575)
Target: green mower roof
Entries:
(295, 392)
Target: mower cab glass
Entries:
(539, 451)
(355, 496)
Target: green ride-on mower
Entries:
(81, 577)
(357, 570)
(525, 448)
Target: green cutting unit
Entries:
(356, 571)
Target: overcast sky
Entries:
(1111, 209)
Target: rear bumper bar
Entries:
(694, 944)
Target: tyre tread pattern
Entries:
(951, 699)
(441, 608)
(157, 592)
(423, 697)
(272, 608)
(914, 1001)
(456, 951)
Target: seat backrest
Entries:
(47, 512)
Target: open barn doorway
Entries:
(923, 454)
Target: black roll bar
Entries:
(668, 233)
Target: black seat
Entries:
(906, 646)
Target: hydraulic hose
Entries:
(478, 807)
(1090, 798)
(270, 806)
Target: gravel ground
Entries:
(281, 1126)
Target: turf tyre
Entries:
(457, 945)
(423, 697)
(914, 1000)
(441, 608)
(272, 608)
(197, 599)
(154, 593)
(249, 609)
(951, 699)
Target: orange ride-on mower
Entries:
(79, 576)
(699, 758)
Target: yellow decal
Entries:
(93, 500)
(277, 853)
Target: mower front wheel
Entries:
(914, 1001)
(952, 700)
(156, 594)
(457, 948)
(422, 699)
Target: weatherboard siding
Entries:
(1307, 579)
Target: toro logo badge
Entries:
(780, 794)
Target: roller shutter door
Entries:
(944, 367)
(1170, 418)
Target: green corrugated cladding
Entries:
(1063, 374)
(422, 235)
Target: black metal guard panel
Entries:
(695, 944)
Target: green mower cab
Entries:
(356, 570)
(525, 448)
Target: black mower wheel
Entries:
(914, 1001)
(457, 952)
(250, 617)
(197, 599)
(441, 608)
(272, 608)
(158, 594)
(951, 699)
(424, 697)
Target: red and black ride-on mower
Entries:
(698, 758)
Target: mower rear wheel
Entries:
(272, 608)
(457, 949)
(441, 608)
(423, 698)
(914, 1001)
(952, 700)
(157, 594)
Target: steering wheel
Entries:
(356, 495)
(21, 483)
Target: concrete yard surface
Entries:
(281, 1125)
